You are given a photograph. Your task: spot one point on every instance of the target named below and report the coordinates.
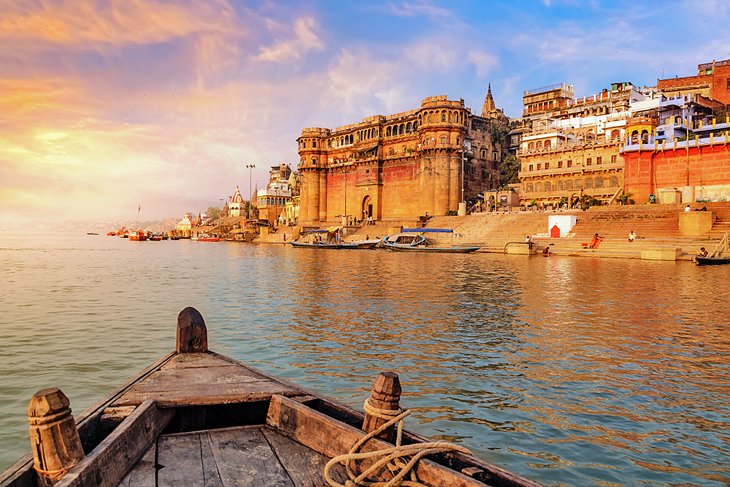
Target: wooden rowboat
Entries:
(198, 418)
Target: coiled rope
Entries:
(395, 458)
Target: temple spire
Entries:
(489, 110)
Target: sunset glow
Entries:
(106, 106)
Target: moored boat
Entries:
(138, 236)
(199, 418)
(331, 238)
(413, 240)
(699, 260)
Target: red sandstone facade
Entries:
(712, 81)
(401, 166)
(679, 172)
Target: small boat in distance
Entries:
(719, 256)
(138, 236)
(331, 238)
(91, 233)
(413, 240)
(207, 238)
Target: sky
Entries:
(107, 107)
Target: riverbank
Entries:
(660, 234)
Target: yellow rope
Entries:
(395, 458)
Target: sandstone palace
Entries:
(400, 166)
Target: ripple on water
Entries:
(568, 371)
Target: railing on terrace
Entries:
(714, 64)
(677, 144)
(558, 86)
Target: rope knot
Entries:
(400, 460)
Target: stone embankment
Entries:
(658, 229)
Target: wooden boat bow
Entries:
(198, 418)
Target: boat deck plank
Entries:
(202, 378)
(231, 457)
(143, 474)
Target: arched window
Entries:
(415, 126)
(387, 132)
(314, 144)
(539, 144)
(548, 186)
(402, 129)
(538, 187)
(599, 182)
(484, 153)
(644, 136)
(443, 116)
(429, 119)
(589, 183)
(547, 144)
(409, 128)
(614, 182)
(531, 146)
(615, 134)
(442, 140)
(569, 185)
(529, 188)
(578, 184)
(561, 186)
(314, 161)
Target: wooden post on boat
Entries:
(192, 335)
(384, 396)
(54, 438)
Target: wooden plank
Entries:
(210, 469)
(304, 466)
(244, 458)
(180, 462)
(330, 438)
(110, 461)
(143, 474)
(180, 386)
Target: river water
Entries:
(569, 371)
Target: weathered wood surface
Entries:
(192, 334)
(230, 457)
(110, 462)
(203, 379)
(384, 395)
(331, 438)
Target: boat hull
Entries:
(712, 260)
(440, 250)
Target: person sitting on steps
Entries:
(595, 241)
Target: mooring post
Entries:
(192, 335)
(384, 396)
(54, 439)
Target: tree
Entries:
(213, 213)
(509, 170)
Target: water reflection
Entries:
(569, 371)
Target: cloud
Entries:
(303, 41)
(420, 9)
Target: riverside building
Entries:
(401, 166)
(569, 147)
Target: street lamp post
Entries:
(250, 196)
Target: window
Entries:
(570, 163)
(589, 183)
(539, 166)
(589, 161)
(613, 159)
(560, 164)
(728, 83)
(548, 186)
(443, 140)
(530, 168)
(599, 160)
(599, 182)
(547, 165)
